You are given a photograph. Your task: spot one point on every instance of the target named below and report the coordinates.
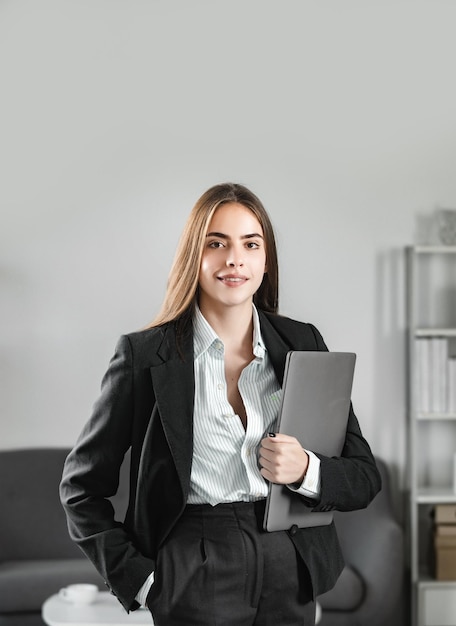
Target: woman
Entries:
(195, 398)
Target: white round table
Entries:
(106, 610)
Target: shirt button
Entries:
(220, 386)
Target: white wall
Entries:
(115, 115)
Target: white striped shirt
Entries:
(225, 456)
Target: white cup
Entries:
(79, 594)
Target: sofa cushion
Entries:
(33, 523)
(346, 595)
(25, 585)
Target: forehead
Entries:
(235, 217)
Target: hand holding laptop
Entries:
(315, 406)
(283, 459)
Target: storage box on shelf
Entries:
(445, 542)
(431, 279)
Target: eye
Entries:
(252, 245)
(215, 244)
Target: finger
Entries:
(273, 460)
(267, 475)
(268, 443)
(282, 438)
(267, 455)
(276, 438)
(267, 465)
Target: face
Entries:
(234, 258)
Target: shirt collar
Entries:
(258, 344)
(204, 335)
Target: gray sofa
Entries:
(37, 557)
(369, 590)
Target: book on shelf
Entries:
(423, 386)
(435, 375)
(446, 530)
(452, 385)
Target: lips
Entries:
(232, 280)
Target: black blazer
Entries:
(146, 404)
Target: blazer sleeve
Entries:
(352, 480)
(91, 477)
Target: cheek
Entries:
(206, 268)
(262, 265)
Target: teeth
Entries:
(233, 280)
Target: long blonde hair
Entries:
(182, 290)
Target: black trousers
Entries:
(219, 568)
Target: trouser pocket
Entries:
(183, 570)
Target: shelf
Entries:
(435, 417)
(433, 249)
(426, 581)
(436, 495)
(434, 332)
(431, 323)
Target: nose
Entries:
(234, 261)
(234, 255)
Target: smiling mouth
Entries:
(235, 280)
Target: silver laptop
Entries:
(315, 406)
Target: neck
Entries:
(232, 324)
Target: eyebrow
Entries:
(223, 236)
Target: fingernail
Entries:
(271, 434)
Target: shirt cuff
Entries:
(310, 486)
(141, 596)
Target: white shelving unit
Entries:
(431, 282)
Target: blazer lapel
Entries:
(277, 347)
(174, 388)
